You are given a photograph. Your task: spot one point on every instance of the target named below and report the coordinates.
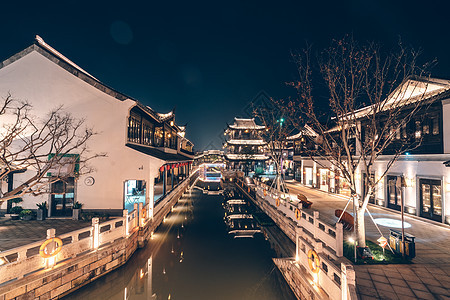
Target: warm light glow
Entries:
(351, 240)
(316, 278)
(391, 223)
(171, 123)
(141, 274)
(151, 235)
(51, 261)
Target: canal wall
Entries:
(86, 254)
(317, 269)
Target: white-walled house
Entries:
(137, 140)
(425, 168)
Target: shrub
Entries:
(16, 210)
(16, 200)
(42, 205)
(26, 212)
(77, 205)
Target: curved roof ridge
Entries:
(49, 48)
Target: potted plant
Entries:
(42, 210)
(26, 214)
(76, 210)
(15, 211)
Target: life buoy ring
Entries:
(297, 214)
(313, 261)
(43, 248)
(277, 202)
(265, 193)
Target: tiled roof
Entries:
(246, 142)
(245, 124)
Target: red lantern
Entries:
(161, 169)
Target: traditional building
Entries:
(141, 145)
(245, 146)
(425, 167)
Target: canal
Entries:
(192, 256)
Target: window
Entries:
(147, 133)
(431, 199)
(435, 124)
(426, 128)
(158, 138)
(418, 133)
(134, 129)
(404, 131)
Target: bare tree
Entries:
(49, 148)
(281, 119)
(372, 97)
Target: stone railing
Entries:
(332, 236)
(25, 260)
(333, 274)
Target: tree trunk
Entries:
(360, 229)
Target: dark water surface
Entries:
(193, 257)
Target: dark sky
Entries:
(211, 58)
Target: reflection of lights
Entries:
(391, 223)
(351, 240)
(151, 235)
(164, 271)
(141, 274)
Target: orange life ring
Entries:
(313, 261)
(277, 202)
(43, 248)
(265, 193)
(297, 214)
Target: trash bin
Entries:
(395, 241)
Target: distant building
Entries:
(425, 167)
(209, 156)
(245, 145)
(141, 144)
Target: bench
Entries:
(346, 219)
(304, 201)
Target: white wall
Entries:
(446, 124)
(45, 85)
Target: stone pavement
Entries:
(428, 277)
(15, 233)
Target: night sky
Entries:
(210, 59)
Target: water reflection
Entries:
(192, 256)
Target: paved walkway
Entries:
(15, 233)
(429, 275)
